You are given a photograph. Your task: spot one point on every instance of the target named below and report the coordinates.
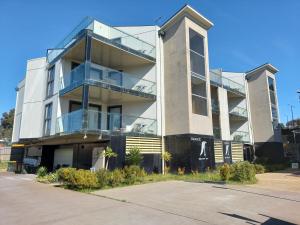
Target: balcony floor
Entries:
(108, 94)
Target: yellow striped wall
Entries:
(237, 152)
(147, 145)
(218, 148)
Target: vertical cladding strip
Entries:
(237, 152)
(146, 145)
(224, 114)
(218, 148)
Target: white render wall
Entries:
(18, 111)
(34, 94)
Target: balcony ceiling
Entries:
(106, 55)
(106, 96)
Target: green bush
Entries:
(243, 171)
(116, 178)
(103, 177)
(225, 172)
(85, 179)
(134, 157)
(41, 172)
(133, 174)
(66, 175)
(259, 168)
(48, 179)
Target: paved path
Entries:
(280, 181)
(23, 201)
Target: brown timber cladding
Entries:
(147, 145)
(218, 148)
(237, 152)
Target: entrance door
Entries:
(63, 157)
(114, 118)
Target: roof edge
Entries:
(207, 24)
(266, 66)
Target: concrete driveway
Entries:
(23, 201)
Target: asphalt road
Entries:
(24, 201)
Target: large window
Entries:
(50, 81)
(198, 74)
(47, 119)
(273, 98)
(197, 54)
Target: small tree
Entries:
(166, 156)
(109, 153)
(134, 157)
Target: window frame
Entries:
(47, 119)
(196, 76)
(50, 82)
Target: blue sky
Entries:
(246, 34)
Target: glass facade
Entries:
(198, 73)
(50, 82)
(272, 93)
(47, 119)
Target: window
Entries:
(47, 120)
(271, 84)
(274, 112)
(198, 80)
(50, 82)
(197, 53)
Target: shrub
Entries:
(225, 172)
(116, 178)
(243, 171)
(41, 172)
(259, 168)
(133, 174)
(84, 179)
(195, 172)
(181, 170)
(102, 177)
(66, 175)
(134, 157)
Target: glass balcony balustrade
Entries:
(108, 34)
(239, 111)
(220, 81)
(107, 78)
(103, 122)
(240, 136)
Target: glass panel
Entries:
(100, 74)
(274, 112)
(114, 118)
(72, 122)
(113, 35)
(196, 42)
(198, 87)
(94, 118)
(96, 74)
(197, 63)
(199, 105)
(115, 78)
(271, 83)
(272, 96)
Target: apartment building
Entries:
(145, 86)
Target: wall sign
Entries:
(227, 152)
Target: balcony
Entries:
(230, 85)
(109, 36)
(238, 113)
(240, 136)
(104, 123)
(108, 79)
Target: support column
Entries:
(85, 87)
